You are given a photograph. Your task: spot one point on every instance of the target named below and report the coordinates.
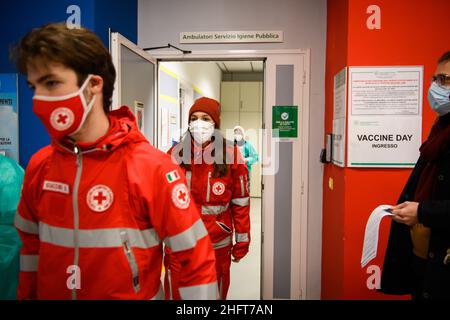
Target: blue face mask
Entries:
(439, 98)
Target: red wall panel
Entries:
(412, 32)
(333, 204)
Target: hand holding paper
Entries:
(406, 213)
(371, 235)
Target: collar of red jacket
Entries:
(122, 130)
(198, 152)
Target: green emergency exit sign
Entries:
(285, 119)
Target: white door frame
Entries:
(118, 40)
(300, 186)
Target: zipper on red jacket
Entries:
(208, 187)
(76, 185)
(131, 260)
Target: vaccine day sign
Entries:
(384, 116)
(9, 119)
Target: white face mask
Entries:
(238, 137)
(201, 131)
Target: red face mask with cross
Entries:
(63, 115)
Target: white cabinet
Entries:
(242, 105)
(244, 96)
(230, 96)
(252, 123)
(250, 93)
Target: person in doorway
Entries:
(11, 178)
(217, 177)
(98, 202)
(248, 151)
(417, 259)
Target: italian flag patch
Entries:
(173, 176)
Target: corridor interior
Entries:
(238, 85)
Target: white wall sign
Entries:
(231, 36)
(9, 116)
(139, 114)
(385, 116)
(339, 117)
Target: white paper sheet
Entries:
(371, 235)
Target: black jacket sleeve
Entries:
(435, 214)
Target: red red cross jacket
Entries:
(92, 219)
(224, 202)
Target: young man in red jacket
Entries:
(98, 203)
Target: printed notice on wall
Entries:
(339, 117)
(9, 119)
(384, 116)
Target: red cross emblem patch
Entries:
(99, 198)
(218, 188)
(180, 196)
(61, 118)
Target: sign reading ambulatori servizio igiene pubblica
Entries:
(231, 36)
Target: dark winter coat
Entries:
(397, 275)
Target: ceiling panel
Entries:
(241, 66)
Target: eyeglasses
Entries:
(441, 79)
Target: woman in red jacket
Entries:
(218, 181)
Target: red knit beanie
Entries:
(209, 106)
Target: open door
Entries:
(135, 84)
(285, 181)
(287, 263)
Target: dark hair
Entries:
(220, 169)
(79, 49)
(445, 57)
